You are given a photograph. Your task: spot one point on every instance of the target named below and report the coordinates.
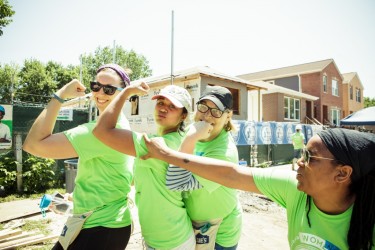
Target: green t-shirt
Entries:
(326, 232)
(103, 179)
(215, 201)
(298, 139)
(163, 218)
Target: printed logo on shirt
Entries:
(202, 239)
(312, 242)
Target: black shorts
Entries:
(99, 238)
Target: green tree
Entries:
(8, 79)
(36, 85)
(6, 12)
(128, 59)
(369, 102)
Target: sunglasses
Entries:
(306, 155)
(203, 108)
(107, 89)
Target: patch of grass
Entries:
(37, 225)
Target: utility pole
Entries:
(172, 35)
(12, 89)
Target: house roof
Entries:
(288, 71)
(201, 70)
(272, 88)
(348, 77)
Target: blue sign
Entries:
(263, 133)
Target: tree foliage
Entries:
(137, 63)
(6, 12)
(369, 102)
(9, 79)
(35, 81)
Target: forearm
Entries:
(106, 131)
(187, 145)
(108, 119)
(222, 172)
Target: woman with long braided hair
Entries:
(330, 201)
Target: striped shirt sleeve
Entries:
(179, 179)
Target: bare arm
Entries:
(106, 131)
(40, 141)
(223, 172)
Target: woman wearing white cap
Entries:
(164, 221)
(214, 209)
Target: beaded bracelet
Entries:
(58, 98)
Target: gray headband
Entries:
(119, 70)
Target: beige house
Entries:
(352, 93)
(195, 80)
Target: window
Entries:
(351, 92)
(325, 83)
(291, 108)
(358, 95)
(335, 116)
(335, 88)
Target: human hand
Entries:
(137, 88)
(71, 90)
(156, 148)
(199, 130)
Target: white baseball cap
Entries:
(299, 127)
(179, 96)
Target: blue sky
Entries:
(234, 37)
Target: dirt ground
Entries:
(264, 224)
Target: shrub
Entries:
(37, 174)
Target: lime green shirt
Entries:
(215, 201)
(163, 218)
(103, 179)
(326, 232)
(298, 140)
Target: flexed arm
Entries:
(106, 131)
(40, 141)
(223, 172)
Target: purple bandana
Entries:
(119, 70)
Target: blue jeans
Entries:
(218, 247)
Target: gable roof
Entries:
(288, 71)
(201, 70)
(348, 77)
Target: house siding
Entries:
(313, 84)
(351, 106)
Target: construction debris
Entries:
(12, 236)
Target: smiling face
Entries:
(167, 116)
(217, 123)
(319, 176)
(106, 77)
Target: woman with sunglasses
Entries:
(104, 175)
(214, 209)
(330, 202)
(164, 221)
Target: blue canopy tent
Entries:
(364, 116)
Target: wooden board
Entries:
(18, 209)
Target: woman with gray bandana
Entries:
(330, 201)
(104, 175)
